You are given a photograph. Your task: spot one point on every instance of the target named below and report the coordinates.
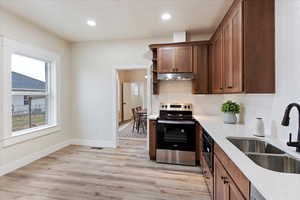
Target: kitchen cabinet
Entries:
(243, 49)
(155, 81)
(225, 188)
(229, 182)
(175, 59)
(152, 139)
(183, 59)
(217, 64)
(199, 143)
(232, 36)
(166, 60)
(220, 188)
(200, 68)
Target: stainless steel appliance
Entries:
(207, 150)
(208, 162)
(175, 76)
(176, 134)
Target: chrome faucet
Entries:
(286, 122)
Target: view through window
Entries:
(30, 92)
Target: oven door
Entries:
(176, 135)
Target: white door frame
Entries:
(115, 116)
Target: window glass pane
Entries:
(20, 117)
(39, 111)
(28, 74)
(30, 97)
(34, 114)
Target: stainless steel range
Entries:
(176, 135)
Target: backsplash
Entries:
(181, 91)
(270, 107)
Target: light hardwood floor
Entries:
(83, 173)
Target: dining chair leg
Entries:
(138, 125)
(133, 126)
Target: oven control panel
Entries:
(176, 107)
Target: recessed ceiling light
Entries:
(91, 22)
(166, 16)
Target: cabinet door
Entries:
(200, 69)
(165, 62)
(220, 188)
(233, 192)
(152, 139)
(184, 59)
(217, 65)
(233, 52)
(199, 143)
(227, 52)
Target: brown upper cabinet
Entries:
(217, 64)
(243, 49)
(201, 70)
(175, 59)
(166, 60)
(184, 57)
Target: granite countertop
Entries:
(272, 185)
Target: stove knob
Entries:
(185, 107)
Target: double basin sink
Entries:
(267, 155)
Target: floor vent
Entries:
(97, 148)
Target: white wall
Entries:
(93, 63)
(22, 31)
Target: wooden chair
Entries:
(135, 120)
(139, 108)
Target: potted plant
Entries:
(230, 109)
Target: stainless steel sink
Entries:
(253, 145)
(267, 155)
(278, 163)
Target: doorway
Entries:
(132, 98)
(132, 95)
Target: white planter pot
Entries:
(230, 118)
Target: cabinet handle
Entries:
(226, 182)
(223, 177)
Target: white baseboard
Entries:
(94, 143)
(31, 158)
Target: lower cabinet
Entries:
(152, 139)
(225, 188)
(229, 182)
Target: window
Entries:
(135, 90)
(31, 92)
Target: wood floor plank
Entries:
(84, 173)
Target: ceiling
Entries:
(120, 19)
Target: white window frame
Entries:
(10, 47)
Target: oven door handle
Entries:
(175, 122)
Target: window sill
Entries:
(29, 134)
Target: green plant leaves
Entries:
(231, 107)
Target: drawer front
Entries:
(237, 176)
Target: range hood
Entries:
(175, 76)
